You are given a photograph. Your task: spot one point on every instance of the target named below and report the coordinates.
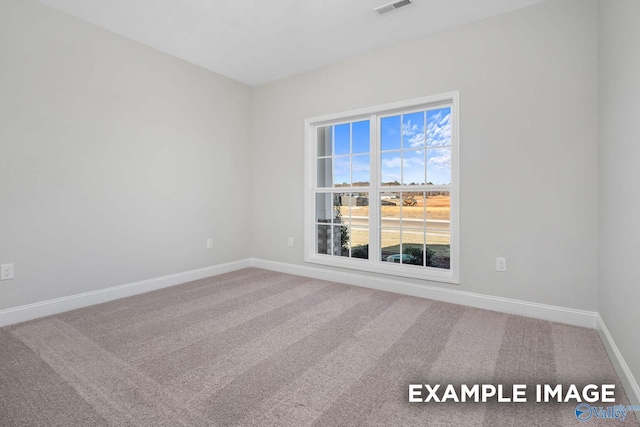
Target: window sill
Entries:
(390, 269)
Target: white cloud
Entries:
(391, 163)
(409, 129)
(417, 140)
(360, 165)
(413, 162)
(390, 177)
(439, 130)
(445, 121)
(408, 162)
(442, 161)
(342, 163)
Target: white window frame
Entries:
(373, 264)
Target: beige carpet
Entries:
(260, 348)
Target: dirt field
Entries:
(438, 207)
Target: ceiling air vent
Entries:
(381, 10)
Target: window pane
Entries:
(390, 168)
(343, 139)
(439, 166)
(325, 172)
(341, 236)
(359, 242)
(324, 207)
(390, 209)
(360, 137)
(439, 127)
(342, 171)
(337, 239)
(438, 210)
(360, 209)
(390, 132)
(390, 244)
(341, 208)
(413, 130)
(413, 209)
(323, 240)
(324, 135)
(413, 246)
(413, 167)
(438, 249)
(360, 167)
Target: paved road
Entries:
(432, 224)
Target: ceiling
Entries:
(258, 41)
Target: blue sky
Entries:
(403, 139)
(359, 162)
(410, 133)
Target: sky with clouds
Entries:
(409, 142)
(404, 139)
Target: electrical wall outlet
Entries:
(501, 265)
(6, 271)
(209, 243)
(290, 241)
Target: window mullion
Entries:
(374, 194)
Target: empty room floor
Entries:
(261, 348)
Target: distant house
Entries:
(350, 200)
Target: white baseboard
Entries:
(505, 305)
(46, 308)
(628, 380)
(523, 308)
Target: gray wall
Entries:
(529, 112)
(116, 161)
(619, 162)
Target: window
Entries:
(382, 189)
